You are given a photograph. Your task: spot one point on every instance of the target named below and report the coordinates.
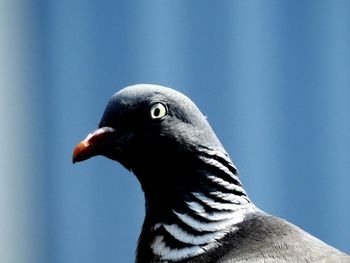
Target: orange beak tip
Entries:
(79, 152)
(92, 144)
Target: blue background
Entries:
(273, 77)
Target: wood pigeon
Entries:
(196, 207)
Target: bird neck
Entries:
(190, 217)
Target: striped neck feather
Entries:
(203, 215)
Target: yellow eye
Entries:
(158, 111)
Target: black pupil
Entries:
(156, 112)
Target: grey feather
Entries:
(196, 207)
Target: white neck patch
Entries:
(197, 243)
(166, 253)
(209, 218)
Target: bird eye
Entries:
(158, 111)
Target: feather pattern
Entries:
(197, 210)
(204, 228)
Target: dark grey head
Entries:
(192, 191)
(147, 127)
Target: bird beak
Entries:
(93, 144)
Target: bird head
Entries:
(148, 128)
(192, 191)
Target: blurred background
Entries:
(273, 77)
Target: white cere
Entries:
(158, 111)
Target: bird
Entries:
(196, 209)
